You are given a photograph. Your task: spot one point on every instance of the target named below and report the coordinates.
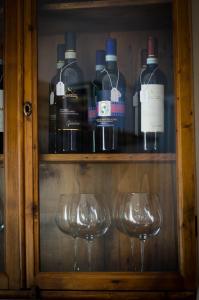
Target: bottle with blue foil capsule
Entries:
(52, 100)
(96, 88)
(71, 98)
(111, 104)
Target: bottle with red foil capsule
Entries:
(152, 102)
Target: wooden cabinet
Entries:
(35, 179)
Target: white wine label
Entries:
(115, 95)
(104, 108)
(152, 107)
(60, 90)
(1, 112)
(52, 98)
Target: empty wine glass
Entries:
(91, 218)
(65, 209)
(139, 216)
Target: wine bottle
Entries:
(70, 95)
(111, 104)
(52, 100)
(96, 87)
(152, 102)
(1, 106)
(137, 145)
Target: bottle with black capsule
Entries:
(52, 100)
(111, 104)
(71, 96)
(96, 88)
(152, 102)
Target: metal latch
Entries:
(27, 109)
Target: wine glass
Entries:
(140, 217)
(91, 219)
(65, 209)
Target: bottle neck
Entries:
(152, 60)
(70, 56)
(60, 64)
(111, 62)
(98, 71)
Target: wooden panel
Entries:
(185, 140)
(195, 9)
(101, 3)
(167, 157)
(117, 295)
(30, 134)
(112, 252)
(109, 281)
(2, 217)
(14, 144)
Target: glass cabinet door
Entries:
(1, 140)
(11, 147)
(107, 193)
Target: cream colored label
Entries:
(152, 107)
(70, 54)
(1, 111)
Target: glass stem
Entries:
(89, 254)
(75, 266)
(132, 251)
(142, 242)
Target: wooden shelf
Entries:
(135, 157)
(99, 4)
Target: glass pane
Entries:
(105, 93)
(1, 140)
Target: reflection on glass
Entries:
(91, 218)
(84, 216)
(138, 215)
(63, 218)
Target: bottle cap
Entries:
(100, 57)
(111, 46)
(70, 40)
(60, 52)
(152, 51)
(152, 46)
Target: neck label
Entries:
(60, 64)
(52, 98)
(152, 60)
(110, 57)
(71, 54)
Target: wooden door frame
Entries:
(13, 149)
(186, 278)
